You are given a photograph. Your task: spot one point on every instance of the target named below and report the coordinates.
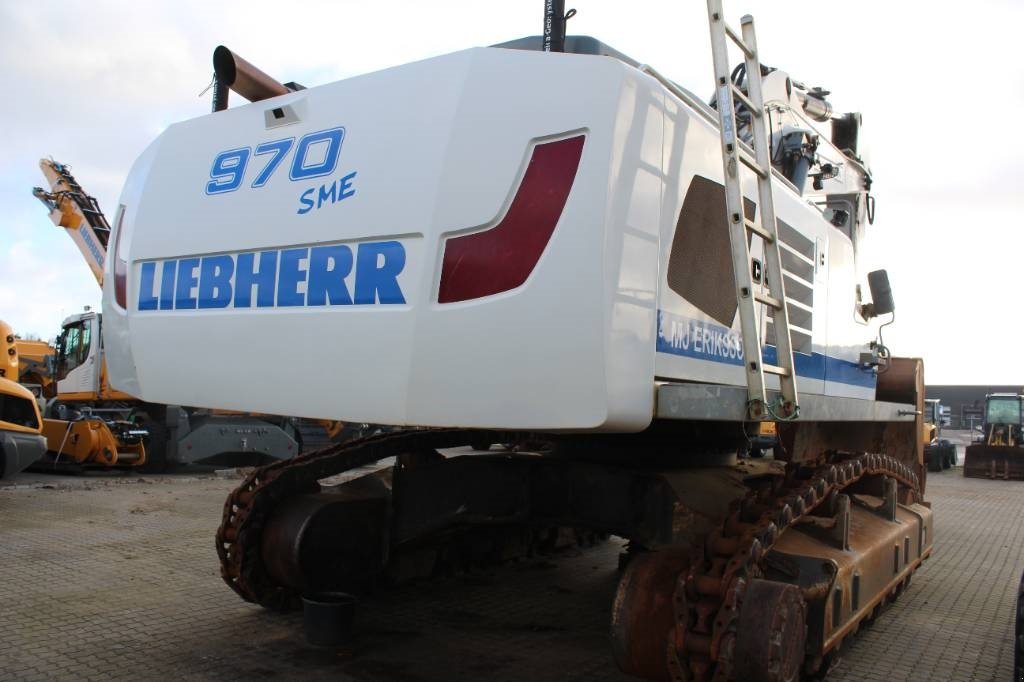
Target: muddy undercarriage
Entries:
(735, 568)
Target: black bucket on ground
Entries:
(327, 618)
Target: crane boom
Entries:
(77, 212)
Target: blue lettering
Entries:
(328, 275)
(345, 185)
(91, 244)
(316, 155)
(279, 148)
(378, 265)
(324, 196)
(228, 170)
(187, 280)
(306, 202)
(328, 268)
(215, 281)
(333, 138)
(147, 299)
(327, 194)
(167, 276)
(290, 277)
(264, 279)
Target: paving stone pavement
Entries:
(106, 579)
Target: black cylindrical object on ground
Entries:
(327, 618)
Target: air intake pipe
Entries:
(234, 72)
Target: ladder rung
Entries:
(750, 162)
(776, 370)
(754, 109)
(768, 300)
(758, 230)
(738, 39)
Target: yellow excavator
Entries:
(73, 437)
(78, 374)
(21, 440)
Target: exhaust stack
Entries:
(242, 77)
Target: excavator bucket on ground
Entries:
(994, 461)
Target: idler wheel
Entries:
(771, 633)
(644, 612)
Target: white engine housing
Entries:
(429, 153)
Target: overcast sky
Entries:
(92, 83)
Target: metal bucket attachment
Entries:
(994, 461)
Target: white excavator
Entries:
(549, 245)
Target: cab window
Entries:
(1003, 411)
(69, 348)
(83, 350)
(74, 346)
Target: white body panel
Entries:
(438, 149)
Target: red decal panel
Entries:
(502, 257)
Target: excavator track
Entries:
(248, 506)
(710, 594)
(711, 636)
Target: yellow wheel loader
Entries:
(1000, 453)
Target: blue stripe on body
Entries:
(707, 341)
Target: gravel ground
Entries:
(116, 577)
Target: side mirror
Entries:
(881, 293)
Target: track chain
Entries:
(708, 596)
(248, 506)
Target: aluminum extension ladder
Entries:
(736, 154)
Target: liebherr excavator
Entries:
(544, 243)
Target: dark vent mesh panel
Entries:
(700, 263)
